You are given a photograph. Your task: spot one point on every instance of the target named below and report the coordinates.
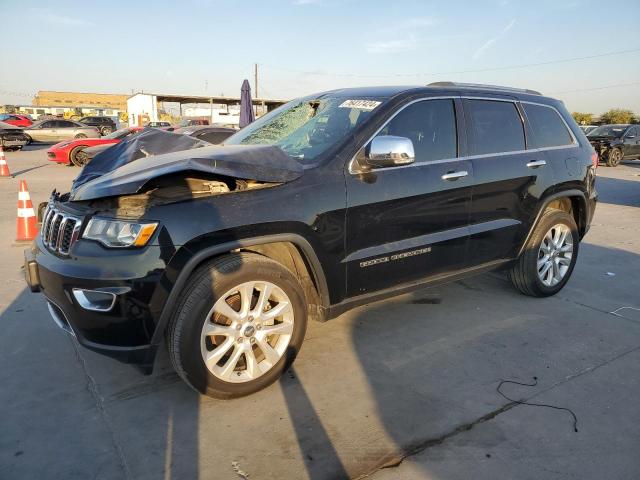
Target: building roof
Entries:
(161, 97)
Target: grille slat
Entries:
(59, 230)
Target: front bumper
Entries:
(58, 156)
(121, 329)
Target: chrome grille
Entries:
(59, 230)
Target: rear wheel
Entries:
(78, 161)
(614, 158)
(239, 324)
(549, 257)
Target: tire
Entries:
(73, 156)
(220, 282)
(614, 157)
(106, 131)
(80, 135)
(526, 275)
(29, 139)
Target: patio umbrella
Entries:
(246, 109)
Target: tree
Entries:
(582, 118)
(617, 115)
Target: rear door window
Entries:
(549, 130)
(494, 127)
(431, 127)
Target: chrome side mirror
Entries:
(389, 151)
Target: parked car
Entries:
(587, 128)
(191, 122)
(53, 131)
(15, 119)
(104, 124)
(225, 252)
(166, 126)
(207, 133)
(69, 151)
(12, 137)
(615, 143)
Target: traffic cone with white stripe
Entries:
(27, 228)
(4, 168)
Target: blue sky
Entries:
(303, 46)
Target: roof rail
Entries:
(487, 87)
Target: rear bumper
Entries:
(58, 156)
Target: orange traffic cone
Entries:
(27, 229)
(4, 168)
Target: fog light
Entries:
(94, 300)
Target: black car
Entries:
(104, 124)
(12, 137)
(208, 133)
(328, 202)
(615, 143)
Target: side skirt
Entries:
(338, 309)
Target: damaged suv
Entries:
(328, 202)
(615, 143)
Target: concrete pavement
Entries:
(408, 384)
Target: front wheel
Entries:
(80, 135)
(549, 256)
(238, 325)
(614, 158)
(106, 131)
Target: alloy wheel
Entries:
(247, 331)
(555, 254)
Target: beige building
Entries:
(72, 99)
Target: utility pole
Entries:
(255, 83)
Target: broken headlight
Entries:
(118, 233)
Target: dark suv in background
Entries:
(104, 124)
(615, 143)
(329, 202)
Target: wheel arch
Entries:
(572, 201)
(292, 250)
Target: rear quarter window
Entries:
(495, 127)
(549, 130)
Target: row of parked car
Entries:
(80, 151)
(77, 142)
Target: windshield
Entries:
(608, 131)
(305, 128)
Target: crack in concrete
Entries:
(396, 460)
(93, 390)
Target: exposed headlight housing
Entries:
(119, 233)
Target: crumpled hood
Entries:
(263, 163)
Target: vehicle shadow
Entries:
(618, 191)
(36, 146)
(61, 417)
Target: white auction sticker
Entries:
(360, 104)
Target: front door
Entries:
(632, 142)
(410, 222)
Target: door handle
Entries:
(455, 175)
(536, 164)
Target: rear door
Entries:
(508, 178)
(409, 222)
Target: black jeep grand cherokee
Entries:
(328, 202)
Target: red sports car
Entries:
(67, 151)
(16, 120)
